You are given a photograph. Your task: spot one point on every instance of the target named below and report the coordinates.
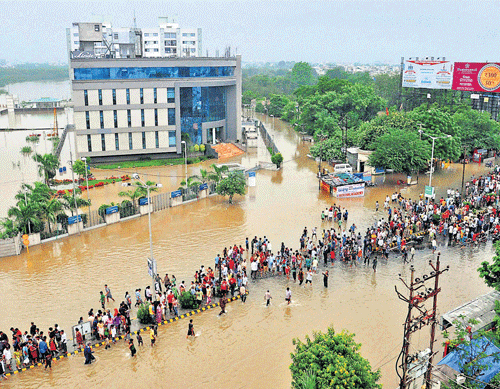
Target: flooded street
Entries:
(250, 346)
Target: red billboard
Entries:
(476, 77)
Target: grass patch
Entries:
(152, 162)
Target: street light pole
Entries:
(185, 160)
(432, 161)
(87, 183)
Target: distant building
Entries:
(101, 40)
(131, 108)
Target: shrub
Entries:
(144, 316)
(202, 148)
(187, 301)
(196, 148)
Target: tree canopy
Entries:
(233, 184)
(400, 150)
(334, 360)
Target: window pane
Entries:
(171, 116)
(171, 139)
(170, 95)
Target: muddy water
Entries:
(249, 347)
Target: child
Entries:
(152, 336)
(102, 297)
(139, 340)
(132, 347)
(190, 329)
(113, 333)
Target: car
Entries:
(342, 168)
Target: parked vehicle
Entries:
(342, 168)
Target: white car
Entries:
(342, 168)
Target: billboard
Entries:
(476, 77)
(432, 74)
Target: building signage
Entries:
(325, 186)
(427, 74)
(176, 193)
(429, 191)
(111, 210)
(476, 77)
(251, 179)
(74, 219)
(82, 54)
(354, 190)
(143, 201)
(204, 186)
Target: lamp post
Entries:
(185, 160)
(135, 176)
(432, 152)
(87, 183)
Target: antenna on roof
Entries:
(135, 24)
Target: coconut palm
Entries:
(138, 191)
(50, 210)
(26, 217)
(68, 201)
(216, 175)
(47, 165)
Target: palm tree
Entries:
(47, 165)
(216, 175)
(26, 215)
(138, 191)
(68, 201)
(191, 182)
(50, 211)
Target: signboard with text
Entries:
(74, 219)
(354, 190)
(476, 77)
(143, 201)
(175, 193)
(429, 191)
(432, 74)
(111, 210)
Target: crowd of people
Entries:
(451, 219)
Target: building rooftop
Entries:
(45, 100)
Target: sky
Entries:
(336, 31)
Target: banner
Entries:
(476, 77)
(353, 190)
(427, 74)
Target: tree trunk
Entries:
(230, 199)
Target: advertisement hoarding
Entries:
(476, 77)
(354, 190)
(427, 74)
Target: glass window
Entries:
(103, 142)
(129, 118)
(155, 34)
(117, 142)
(171, 42)
(199, 105)
(171, 139)
(142, 118)
(115, 117)
(87, 119)
(155, 96)
(156, 117)
(157, 140)
(114, 96)
(146, 34)
(130, 141)
(96, 28)
(170, 95)
(101, 118)
(143, 140)
(128, 95)
(100, 96)
(141, 92)
(171, 116)
(132, 73)
(89, 143)
(86, 97)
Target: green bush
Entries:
(202, 148)
(196, 148)
(102, 210)
(187, 301)
(144, 316)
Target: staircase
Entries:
(69, 127)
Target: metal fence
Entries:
(160, 201)
(128, 209)
(268, 140)
(212, 186)
(190, 193)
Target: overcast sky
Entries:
(364, 31)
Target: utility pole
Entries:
(463, 171)
(418, 294)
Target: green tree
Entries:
(50, 210)
(490, 273)
(79, 167)
(334, 360)
(233, 184)
(277, 105)
(47, 166)
(476, 129)
(248, 96)
(26, 216)
(68, 201)
(26, 150)
(217, 173)
(387, 87)
(472, 350)
(329, 149)
(303, 74)
(400, 150)
(277, 159)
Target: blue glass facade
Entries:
(199, 105)
(134, 73)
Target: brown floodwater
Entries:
(250, 346)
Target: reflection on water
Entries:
(67, 275)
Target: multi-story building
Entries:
(101, 40)
(128, 108)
